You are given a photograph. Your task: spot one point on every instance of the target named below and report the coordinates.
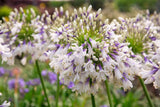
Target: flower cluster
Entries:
(84, 49)
(26, 36)
(142, 34)
(88, 52)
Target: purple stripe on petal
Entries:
(145, 59)
(45, 54)
(41, 31)
(109, 33)
(108, 58)
(116, 44)
(57, 45)
(155, 69)
(43, 42)
(124, 76)
(24, 42)
(115, 51)
(69, 53)
(113, 55)
(152, 38)
(126, 64)
(133, 56)
(100, 67)
(29, 43)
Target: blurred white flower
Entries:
(5, 103)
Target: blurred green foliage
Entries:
(4, 11)
(56, 3)
(129, 99)
(77, 3)
(125, 5)
(96, 4)
(74, 3)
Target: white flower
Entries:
(127, 84)
(16, 28)
(118, 74)
(156, 78)
(5, 104)
(151, 71)
(24, 61)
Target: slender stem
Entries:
(16, 89)
(43, 86)
(93, 100)
(108, 93)
(146, 92)
(64, 100)
(57, 94)
(92, 96)
(16, 99)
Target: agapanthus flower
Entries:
(151, 72)
(52, 77)
(20, 83)
(88, 52)
(27, 35)
(4, 50)
(2, 71)
(137, 31)
(142, 35)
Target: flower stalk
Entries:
(108, 93)
(42, 82)
(16, 72)
(57, 94)
(93, 100)
(146, 92)
(92, 96)
(16, 95)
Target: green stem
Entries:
(93, 100)
(43, 86)
(92, 96)
(57, 94)
(146, 92)
(108, 93)
(16, 99)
